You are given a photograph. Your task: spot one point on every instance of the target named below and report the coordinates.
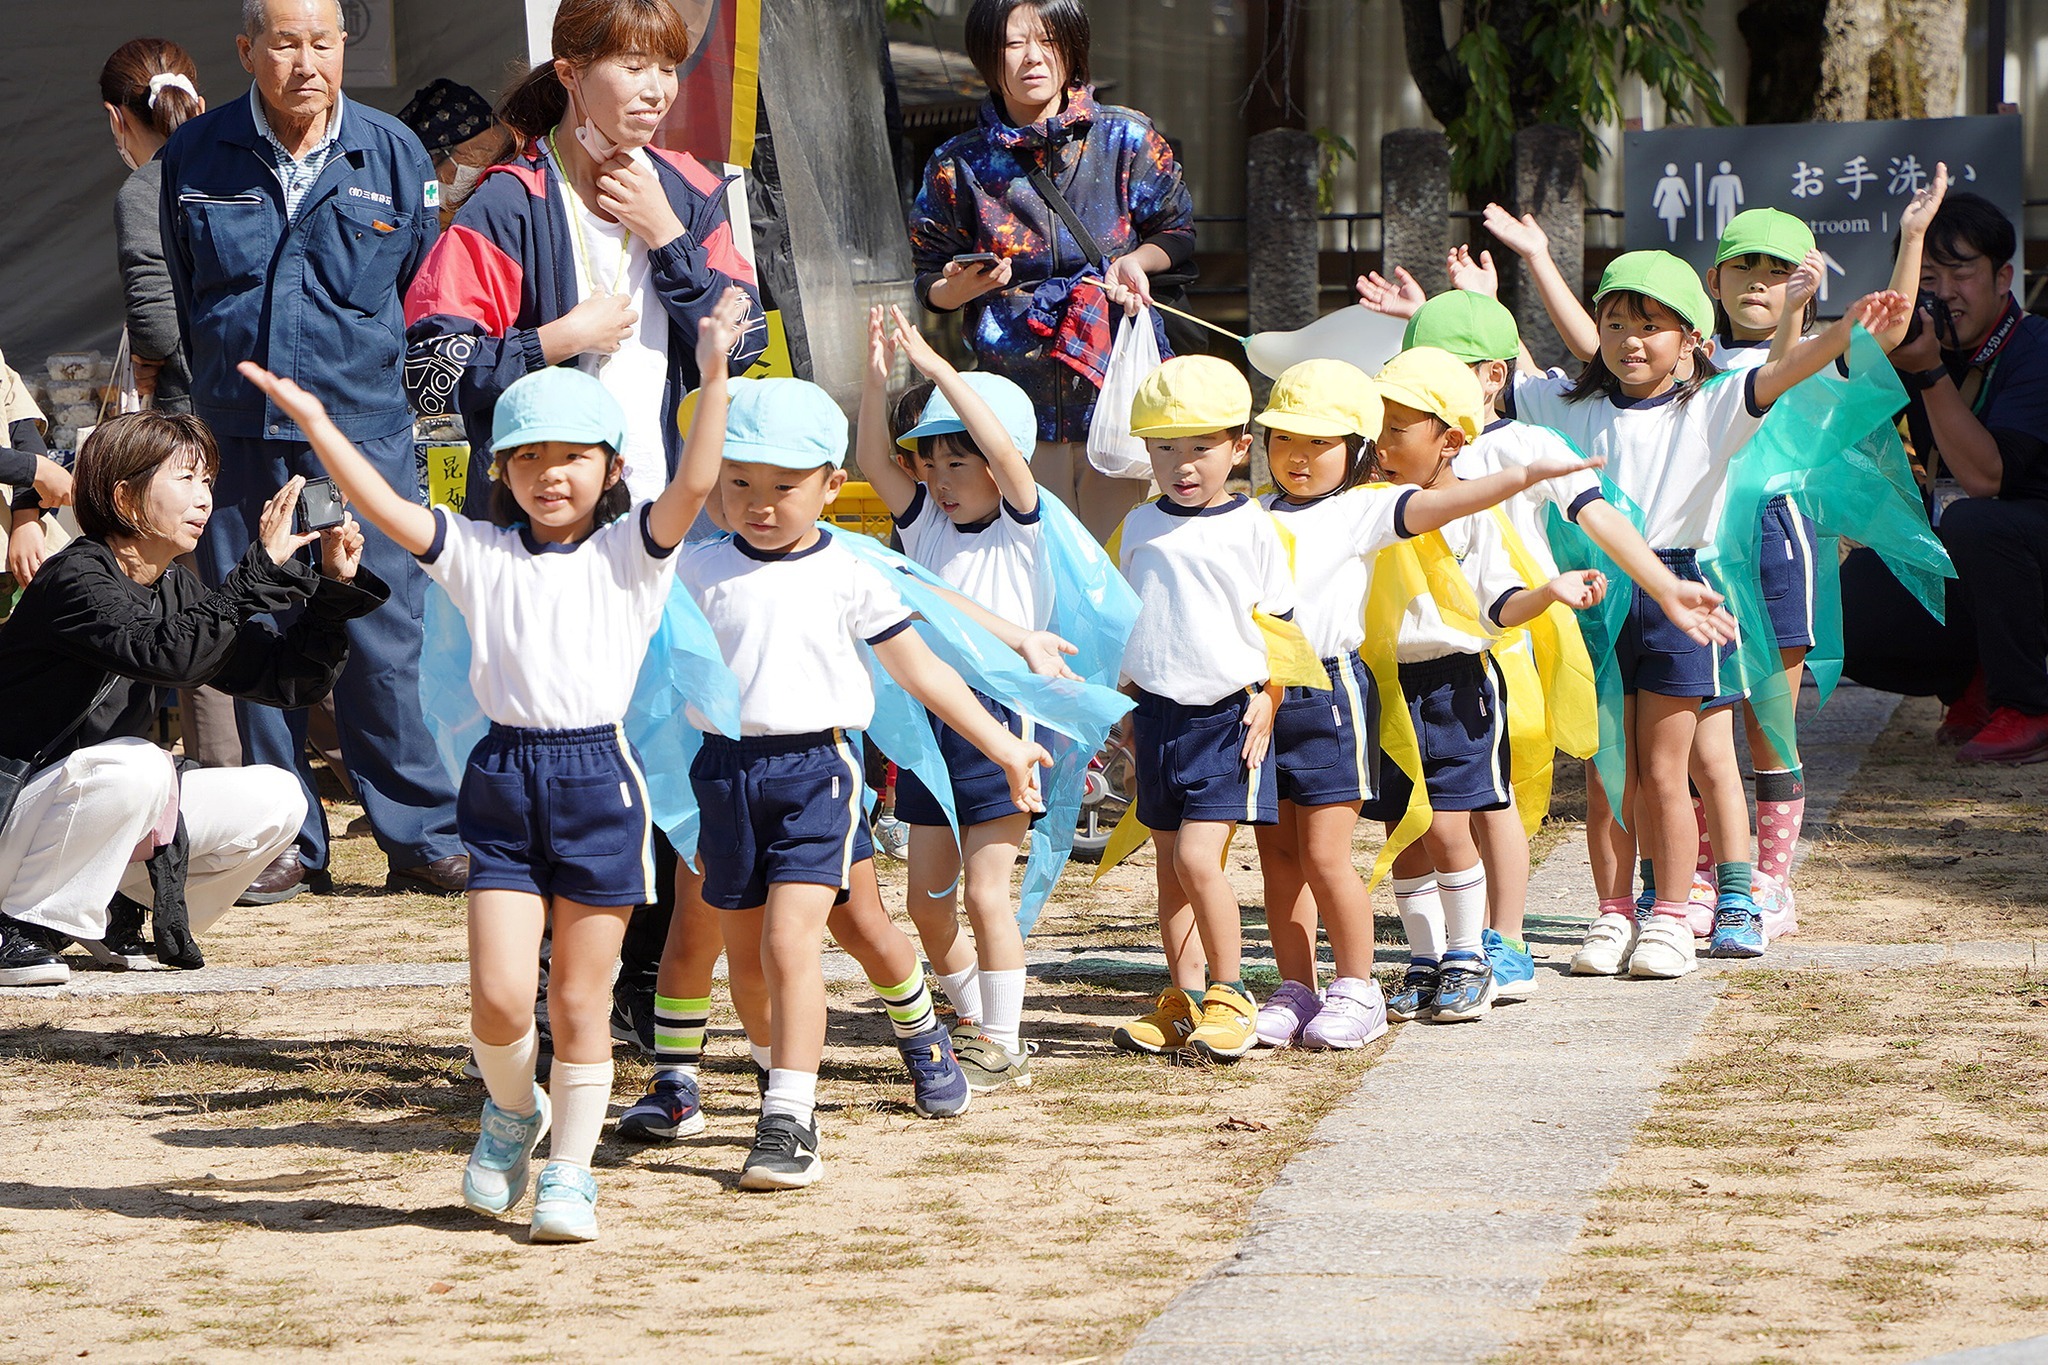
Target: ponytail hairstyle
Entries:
(1596, 380)
(154, 82)
(587, 31)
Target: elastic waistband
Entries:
(1429, 672)
(523, 737)
(1154, 704)
(754, 746)
(1679, 556)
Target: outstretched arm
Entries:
(1041, 650)
(925, 676)
(1006, 463)
(1576, 588)
(669, 520)
(1526, 239)
(1693, 607)
(405, 521)
(1429, 508)
(1875, 312)
(1913, 221)
(873, 446)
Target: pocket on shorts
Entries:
(1457, 722)
(1778, 571)
(1209, 750)
(594, 816)
(491, 810)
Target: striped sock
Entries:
(909, 1004)
(1463, 896)
(1422, 915)
(679, 1033)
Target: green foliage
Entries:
(1332, 151)
(1566, 67)
(907, 11)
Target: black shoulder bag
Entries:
(15, 773)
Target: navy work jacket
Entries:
(319, 298)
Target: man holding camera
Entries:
(1975, 365)
(293, 221)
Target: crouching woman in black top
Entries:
(108, 622)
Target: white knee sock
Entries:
(794, 1093)
(1003, 994)
(508, 1071)
(964, 989)
(1463, 897)
(581, 1092)
(1422, 915)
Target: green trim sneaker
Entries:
(495, 1178)
(564, 1204)
(988, 1065)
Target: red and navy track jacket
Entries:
(507, 265)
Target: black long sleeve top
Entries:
(83, 621)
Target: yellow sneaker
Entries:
(1165, 1029)
(1227, 1026)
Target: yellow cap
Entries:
(1324, 398)
(1436, 382)
(1191, 395)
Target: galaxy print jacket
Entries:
(1120, 177)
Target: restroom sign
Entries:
(1681, 186)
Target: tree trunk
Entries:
(1888, 59)
(1855, 29)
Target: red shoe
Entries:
(1967, 714)
(2011, 737)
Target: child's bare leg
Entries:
(1198, 861)
(991, 856)
(504, 973)
(748, 979)
(1504, 851)
(1663, 743)
(1323, 834)
(586, 948)
(1718, 775)
(792, 934)
(1609, 847)
(1185, 963)
(934, 906)
(861, 925)
(1290, 908)
(682, 986)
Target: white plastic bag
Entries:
(1111, 447)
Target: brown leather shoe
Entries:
(448, 876)
(283, 879)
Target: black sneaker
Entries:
(28, 957)
(123, 949)
(633, 1016)
(784, 1157)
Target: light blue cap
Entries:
(788, 423)
(1011, 405)
(557, 404)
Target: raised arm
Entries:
(1913, 221)
(1429, 508)
(926, 677)
(1526, 239)
(873, 446)
(406, 522)
(668, 521)
(1803, 285)
(1007, 463)
(1875, 312)
(1400, 297)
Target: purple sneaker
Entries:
(1354, 1013)
(1282, 1016)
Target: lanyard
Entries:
(576, 225)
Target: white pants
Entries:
(65, 850)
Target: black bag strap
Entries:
(1042, 181)
(106, 690)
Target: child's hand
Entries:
(1020, 761)
(341, 549)
(1523, 235)
(1381, 295)
(1478, 276)
(294, 402)
(1557, 466)
(1258, 726)
(915, 348)
(1578, 588)
(1879, 312)
(274, 526)
(1805, 282)
(1044, 653)
(1696, 609)
(719, 335)
(1920, 210)
(881, 348)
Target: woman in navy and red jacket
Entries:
(589, 247)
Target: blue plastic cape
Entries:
(1072, 718)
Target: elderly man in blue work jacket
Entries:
(293, 220)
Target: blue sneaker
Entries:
(564, 1204)
(1738, 928)
(1514, 969)
(1417, 997)
(670, 1109)
(495, 1178)
(1465, 989)
(938, 1087)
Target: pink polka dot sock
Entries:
(1705, 864)
(1780, 810)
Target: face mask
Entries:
(465, 184)
(600, 147)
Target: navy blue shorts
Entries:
(1326, 744)
(558, 813)
(1459, 706)
(1655, 655)
(1191, 766)
(981, 791)
(776, 808)
(1784, 562)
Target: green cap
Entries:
(1661, 276)
(1765, 232)
(1470, 326)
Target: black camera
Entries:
(1930, 308)
(320, 506)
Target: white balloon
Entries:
(1353, 333)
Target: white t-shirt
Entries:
(556, 632)
(995, 563)
(790, 627)
(1670, 458)
(637, 373)
(1476, 543)
(1516, 445)
(1335, 538)
(1199, 573)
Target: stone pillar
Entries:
(1282, 263)
(1415, 198)
(1550, 182)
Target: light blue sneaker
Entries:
(1465, 988)
(1738, 928)
(564, 1204)
(495, 1178)
(1514, 969)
